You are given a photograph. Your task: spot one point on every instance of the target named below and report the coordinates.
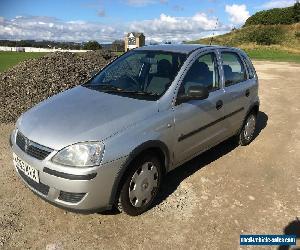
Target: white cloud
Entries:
(238, 13)
(170, 28)
(277, 4)
(48, 28)
(163, 28)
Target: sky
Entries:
(105, 21)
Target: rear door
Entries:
(237, 87)
(197, 122)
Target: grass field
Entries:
(9, 59)
(271, 54)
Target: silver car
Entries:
(109, 142)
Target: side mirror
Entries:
(195, 92)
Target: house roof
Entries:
(136, 34)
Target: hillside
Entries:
(272, 34)
(286, 37)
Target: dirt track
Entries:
(205, 204)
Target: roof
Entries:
(179, 48)
(136, 34)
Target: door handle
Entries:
(247, 93)
(219, 104)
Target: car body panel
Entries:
(92, 200)
(81, 114)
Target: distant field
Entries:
(119, 53)
(9, 59)
(273, 55)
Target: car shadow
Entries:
(261, 123)
(173, 179)
(293, 228)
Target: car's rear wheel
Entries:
(246, 133)
(141, 185)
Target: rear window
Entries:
(233, 67)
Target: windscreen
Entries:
(139, 74)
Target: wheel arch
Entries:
(156, 146)
(253, 108)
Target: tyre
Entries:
(246, 133)
(141, 185)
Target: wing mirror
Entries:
(196, 92)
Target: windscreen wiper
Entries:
(136, 92)
(105, 87)
(112, 88)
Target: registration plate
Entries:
(29, 171)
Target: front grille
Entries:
(40, 187)
(33, 149)
(71, 197)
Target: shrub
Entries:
(296, 9)
(92, 45)
(266, 35)
(287, 15)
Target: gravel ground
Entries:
(34, 80)
(204, 204)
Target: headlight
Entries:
(84, 154)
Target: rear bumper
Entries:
(75, 189)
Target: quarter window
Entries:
(249, 67)
(204, 72)
(233, 67)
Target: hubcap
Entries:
(249, 127)
(143, 185)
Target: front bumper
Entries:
(79, 189)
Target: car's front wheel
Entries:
(141, 185)
(246, 133)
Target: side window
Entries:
(249, 67)
(233, 67)
(204, 71)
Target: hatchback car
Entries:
(110, 141)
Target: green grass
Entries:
(271, 54)
(119, 53)
(9, 59)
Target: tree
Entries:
(296, 9)
(92, 45)
(118, 45)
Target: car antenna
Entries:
(212, 37)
